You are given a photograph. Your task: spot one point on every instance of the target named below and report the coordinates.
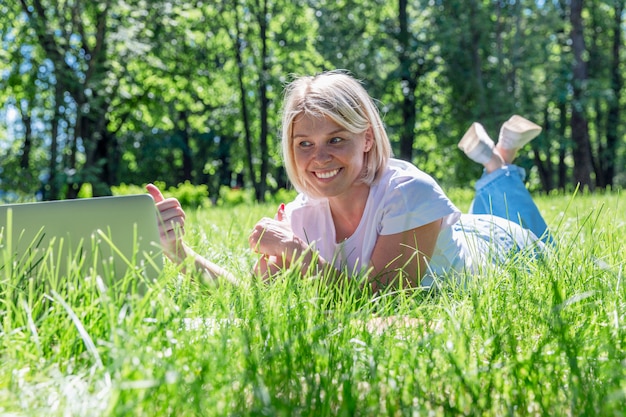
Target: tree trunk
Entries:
(595, 62)
(562, 167)
(408, 85)
(597, 159)
(545, 167)
(28, 142)
(70, 165)
(579, 124)
(617, 83)
(263, 102)
(52, 189)
(183, 128)
(244, 104)
(475, 37)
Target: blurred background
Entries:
(98, 96)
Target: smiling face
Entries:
(320, 104)
(329, 159)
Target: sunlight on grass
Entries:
(526, 338)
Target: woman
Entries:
(362, 212)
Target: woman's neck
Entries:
(347, 211)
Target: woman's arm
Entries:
(172, 229)
(280, 247)
(403, 255)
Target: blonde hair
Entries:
(340, 97)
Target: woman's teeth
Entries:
(327, 174)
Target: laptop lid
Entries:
(110, 236)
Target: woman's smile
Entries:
(329, 155)
(324, 175)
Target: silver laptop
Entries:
(107, 236)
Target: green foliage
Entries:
(461, 197)
(139, 91)
(15, 178)
(197, 196)
(86, 191)
(131, 189)
(230, 197)
(282, 195)
(190, 195)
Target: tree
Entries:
(26, 74)
(259, 38)
(617, 85)
(579, 123)
(414, 62)
(107, 91)
(606, 86)
(73, 38)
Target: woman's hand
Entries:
(276, 242)
(172, 229)
(171, 224)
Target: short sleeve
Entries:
(415, 200)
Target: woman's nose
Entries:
(322, 154)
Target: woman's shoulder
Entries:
(403, 181)
(410, 198)
(401, 173)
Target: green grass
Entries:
(542, 338)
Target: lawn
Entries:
(544, 337)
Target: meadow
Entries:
(543, 337)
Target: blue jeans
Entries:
(504, 194)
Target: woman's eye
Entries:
(304, 144)
(336, 140)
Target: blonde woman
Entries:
(362, 212)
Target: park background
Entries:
(99, 95)
(102, 96)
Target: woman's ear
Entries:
(369, 139)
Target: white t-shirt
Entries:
(403, 198)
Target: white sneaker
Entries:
(477, 144)
(517, 132)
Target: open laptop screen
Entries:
(110, 236)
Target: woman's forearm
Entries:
(211, 272)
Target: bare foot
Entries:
(497, 161)
(507, 155)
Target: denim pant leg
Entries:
(504, 194)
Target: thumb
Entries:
(280, 214)
(155, 193)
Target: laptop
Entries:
(113, 237)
